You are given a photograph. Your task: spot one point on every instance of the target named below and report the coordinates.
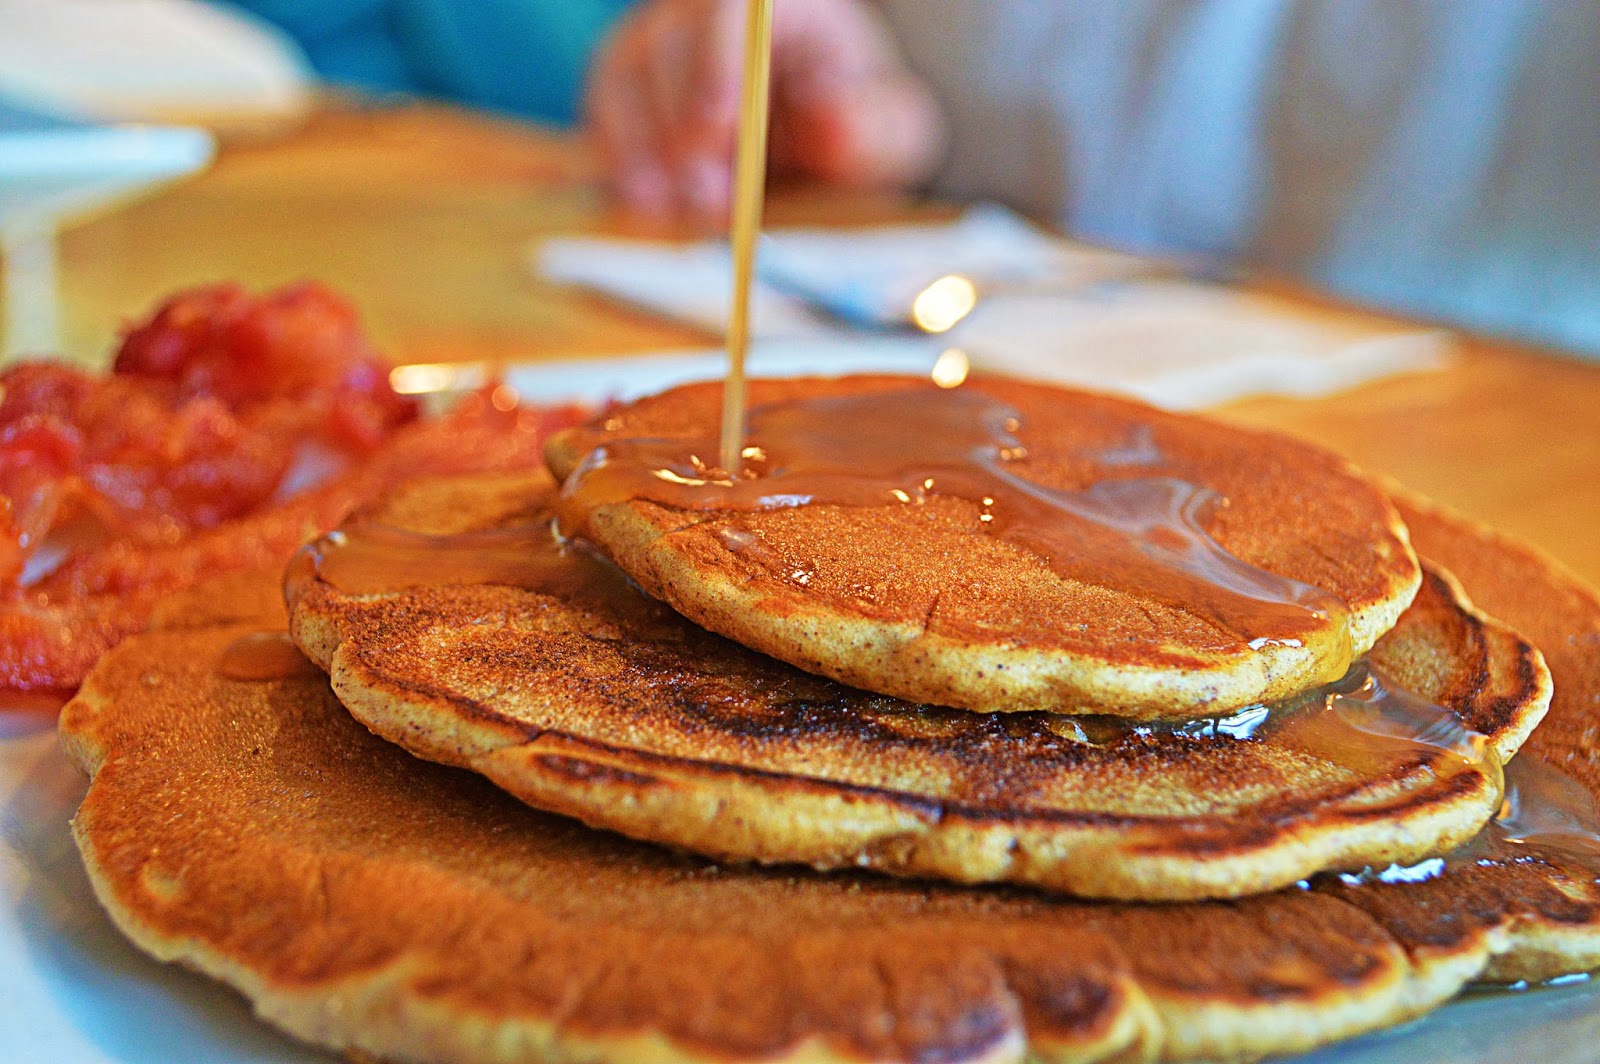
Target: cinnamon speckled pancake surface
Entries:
(924, 602)
(626, 716)
(366, 900)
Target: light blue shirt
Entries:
(1436, 157)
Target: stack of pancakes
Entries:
(1235, 692)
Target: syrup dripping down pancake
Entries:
(1003, 547)
(488, 647)
(365, 900)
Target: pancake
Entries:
(1044, 549)
(364, 900)
(583, 697)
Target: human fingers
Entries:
(621, 118)
(662, 102)
(846, 108)
(885, 131)
(665, 100)
(817, 46)
(698, 69)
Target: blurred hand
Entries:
(663, 101)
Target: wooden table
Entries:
(424, 217)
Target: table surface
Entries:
(424, 216)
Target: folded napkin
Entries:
(1012, 299)
(1184, 345)
(688, 282)
(874, 277)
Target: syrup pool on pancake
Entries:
(1144, 535)
(365, 558)
(262, 656)
(1038, 551)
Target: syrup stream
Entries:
(749, 186)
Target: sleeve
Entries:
(525, 57)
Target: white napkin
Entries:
(1184, 345)
(691, 283)
(874, 277)
(816, 281)
(1046, 308)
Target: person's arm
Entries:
(525, 57)
(663, 97)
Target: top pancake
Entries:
(924, 602)
(583, 697)
(368, 901)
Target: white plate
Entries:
(73, 991)
(52, 167)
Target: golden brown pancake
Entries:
(941, 602)
(613, 709)
(366, 900)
